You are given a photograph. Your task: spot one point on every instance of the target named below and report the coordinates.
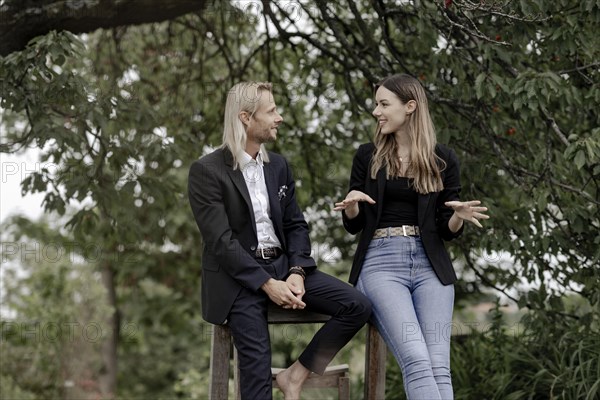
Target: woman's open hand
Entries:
(468, 211)
(350, 203)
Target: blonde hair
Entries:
(244, 96)
(425, 166)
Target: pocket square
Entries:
(282, 192)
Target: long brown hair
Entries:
(425, 167)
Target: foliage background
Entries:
(119, 114)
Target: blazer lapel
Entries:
(272, 189)
(238, 180)
(422, 205)
(380, 191)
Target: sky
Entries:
(15, 168)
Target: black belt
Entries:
(268, 252)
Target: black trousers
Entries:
(349, 310)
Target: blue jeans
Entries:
(412, 311)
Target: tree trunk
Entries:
(22, 20)
(108, 377)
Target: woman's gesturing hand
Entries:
(350, 203)
(468, 211)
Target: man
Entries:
(257, 248)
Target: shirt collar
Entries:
(245, 159)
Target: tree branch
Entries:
(22, 21)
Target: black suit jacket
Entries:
(433, 216)
(223, 211)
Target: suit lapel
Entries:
(238, 180)
(422, 205)
(380, 191)
(272, 190)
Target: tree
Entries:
(50, 345)
(514, 88)
(497, 76)
(133, 207)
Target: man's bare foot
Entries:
(290, 380)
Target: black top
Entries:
(399, 204)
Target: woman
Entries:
(404, 198)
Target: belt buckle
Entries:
(404, 230)
(262, 253)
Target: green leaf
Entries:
(478, 85)
(579, 159)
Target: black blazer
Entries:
(223, 211)
(433, 216)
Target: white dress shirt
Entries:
(254, 176)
